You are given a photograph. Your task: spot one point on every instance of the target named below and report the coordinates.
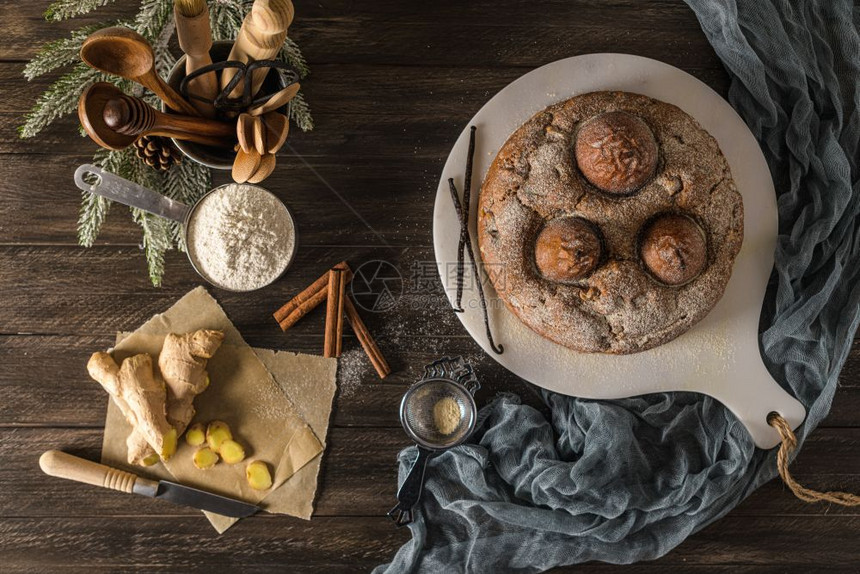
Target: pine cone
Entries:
(157, 152)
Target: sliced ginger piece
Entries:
(232, 452)
(205, 458)
(149, 459)
(196, 434)
(258, 475)
(169, 448)
(216, 433)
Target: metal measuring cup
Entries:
(116, 188)
(451, 378)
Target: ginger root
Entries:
(216, 433)
(183, 366)
(205, 458)
(182, 362)
(257, 473)
(142, 399)
(232, 452)
(196, 434)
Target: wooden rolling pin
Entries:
(260, 38)
(195, 39)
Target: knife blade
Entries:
(64, 465)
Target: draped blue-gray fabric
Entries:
(628, 480)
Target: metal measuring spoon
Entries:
(448, 378)
(121, 190)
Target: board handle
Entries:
(70, 467)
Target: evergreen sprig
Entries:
(186, 181)
(65, 9)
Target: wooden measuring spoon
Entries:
(260, 136)
(267, 166)
(279, 99)
(127, 54)
(115, 120)
(245, 165)
(277, 127)
(245, 131)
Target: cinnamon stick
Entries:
(334, 313)
(367, 341)
(307, 300)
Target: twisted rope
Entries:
(788, 446)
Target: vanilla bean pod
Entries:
(464, 228)
(464, 231)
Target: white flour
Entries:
(241, 237)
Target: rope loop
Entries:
(788, 446)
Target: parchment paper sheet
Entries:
(244, 394)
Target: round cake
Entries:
(609, 222)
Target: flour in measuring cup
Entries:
(241, 237)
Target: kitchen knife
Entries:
(64, 465)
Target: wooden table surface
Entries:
(392, 85)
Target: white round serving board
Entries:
(720, 355)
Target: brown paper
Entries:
(309, 381)
(242, 393)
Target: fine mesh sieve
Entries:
(438, 413)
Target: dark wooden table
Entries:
(393, 84)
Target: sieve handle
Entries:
(410, 491)
(454, 369)
(127, 192)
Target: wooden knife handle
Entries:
(64, 465)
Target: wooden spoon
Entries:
(127, 54)
(267, 166)
(115, 120)
(279, 99)
(245, 165)
(277, 128)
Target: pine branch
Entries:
(291, 54)
(61, 98)
(59, 53)
(94, 208)
(157, 240)
(152, 17)
(65, 9)
(300, 112)
(186, 181)
(226, 18)
(94, 211)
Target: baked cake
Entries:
(609, 222)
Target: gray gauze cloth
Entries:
(628, 480)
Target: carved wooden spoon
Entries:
(127, 54)
(115, 120)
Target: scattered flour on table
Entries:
(241, 237)
(352, 366)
